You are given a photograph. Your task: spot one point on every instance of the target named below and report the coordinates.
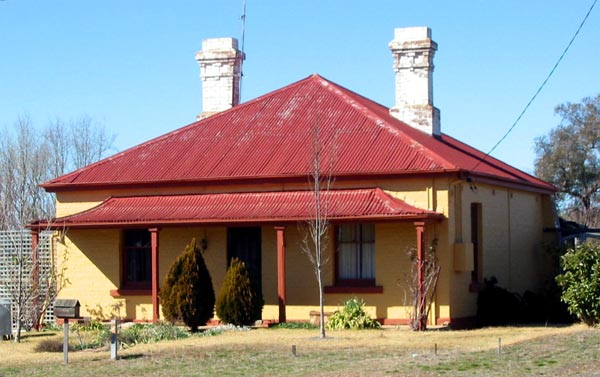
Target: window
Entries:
(137, 260)
(355, 255)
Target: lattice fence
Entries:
(16, 244)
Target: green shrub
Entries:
(90, 335)
(352, 316)
(187, 294)
(238, 302)
(150, 333)
(580, 282)
(295, 325)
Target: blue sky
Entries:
(130, 64)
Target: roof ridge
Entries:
(340, 90)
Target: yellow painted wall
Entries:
(91, 275)
(512, 223)
(511, 244)
(415, 191)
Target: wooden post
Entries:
(35, 273)
(421, 319)
(281, 271)
(66, 341)
(154, 244)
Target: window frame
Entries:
(140, 285)
(357, 282)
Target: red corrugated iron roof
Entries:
(259, 207)
(272, 137)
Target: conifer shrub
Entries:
(187, 294)
(239, 302)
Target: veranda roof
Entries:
(238, 208)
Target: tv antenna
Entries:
(243, 18)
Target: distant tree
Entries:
(90, 141)
(23, 166)
(29, 157)
(238, 302)
(187, 294)
(569, 158)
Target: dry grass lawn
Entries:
(570, 350)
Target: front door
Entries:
(245, 244)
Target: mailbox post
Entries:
(66, 309)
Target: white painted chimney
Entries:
(221, 72)
(413, 52)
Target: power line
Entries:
(540, 88)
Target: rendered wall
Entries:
(102, 250)
(512, 250)
(93, 274)
(512, 241)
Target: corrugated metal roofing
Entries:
(273, 137)
(284, 206)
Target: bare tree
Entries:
(90, 141)
(29, 157)
(419, 295)
(26, 161)
(316, 229)
(58, 139)
(23, 166)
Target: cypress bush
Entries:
(238, 302)
(187, 294)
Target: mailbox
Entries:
(64, 308)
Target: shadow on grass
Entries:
(132, 356)
(37, 335)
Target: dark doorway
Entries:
(245, 244)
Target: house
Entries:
(236, 180)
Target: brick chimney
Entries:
(413, 52)
(221, 72)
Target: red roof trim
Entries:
(241, 180)
(257, 207)
(484, 159)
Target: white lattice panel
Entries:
(15, 246)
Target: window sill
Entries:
(130, 292)
(350, 289)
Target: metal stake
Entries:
(114, 341)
